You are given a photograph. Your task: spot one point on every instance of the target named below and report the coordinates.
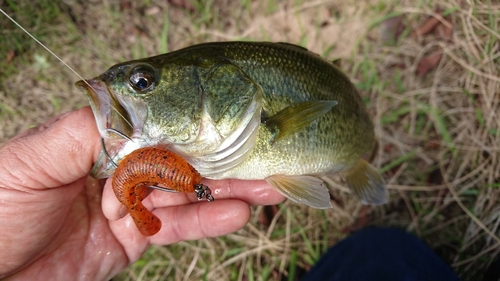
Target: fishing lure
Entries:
(147, 167)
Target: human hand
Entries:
(56, 223)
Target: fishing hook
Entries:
(166, 189)
(203, 192)
(115, 131)
(111, 130)
(107, 154)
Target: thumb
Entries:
(54, 154)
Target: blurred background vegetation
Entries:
(428, 71)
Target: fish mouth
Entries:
(108, 112)
(114, 123)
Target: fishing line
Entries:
(41, 44)
(65, 64)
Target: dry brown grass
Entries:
(439, 134)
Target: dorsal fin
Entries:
(289, 45)
(337, 62)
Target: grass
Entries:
(438, 134)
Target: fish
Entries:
(245, 110)
(149, 166)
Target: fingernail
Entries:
(122, 212)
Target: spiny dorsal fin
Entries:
(304, 189)
(337, 62)
(289, 45)
(366, 182)
(295, 117)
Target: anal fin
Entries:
(366, 182)
(304, 189)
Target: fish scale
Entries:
(245, 110)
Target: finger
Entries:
(252, 192)
(186, 222)
(51, 155)
(41, 127)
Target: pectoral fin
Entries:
(297, 116)
(365, 181)
(308, 190)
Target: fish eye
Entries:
(142, 79)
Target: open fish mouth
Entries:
(108, 112)
(113, 123)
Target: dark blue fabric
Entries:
(380, 254)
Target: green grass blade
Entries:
(164, 35)
(442, 130)
(398, 161)
(293, 266)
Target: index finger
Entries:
(253, 192)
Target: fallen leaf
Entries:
(10, 56)
(444, 29)
(428, 63)
(275, 274)
(391, 29)
(125, 5)
(185, 4)
(388, 148)
(428, 26)
(432, 144)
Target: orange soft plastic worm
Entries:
(149, 166)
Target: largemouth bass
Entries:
(244, 110)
